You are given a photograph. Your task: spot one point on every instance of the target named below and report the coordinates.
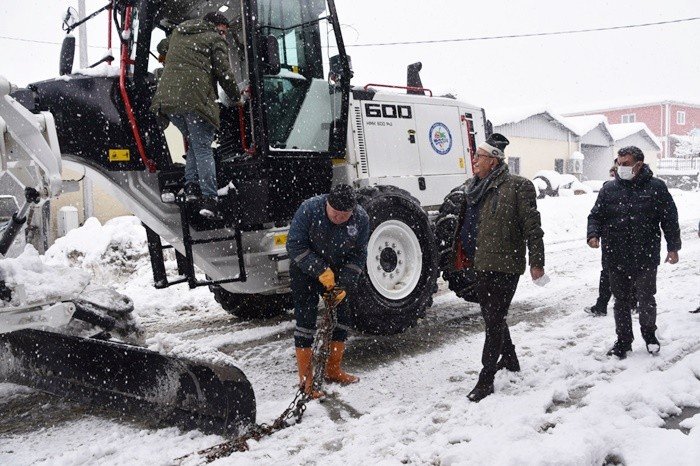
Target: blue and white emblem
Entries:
(440, 138)
(352, 230)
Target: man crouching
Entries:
(327, 239)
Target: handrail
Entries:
(409, 88)
(125, 61)
(241, 126)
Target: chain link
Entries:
(296, 409)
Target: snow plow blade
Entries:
(130, 380)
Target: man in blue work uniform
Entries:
(327, 246)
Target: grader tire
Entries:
(401, 272)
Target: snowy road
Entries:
(569, 405)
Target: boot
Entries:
(482, 389)
(305, 367)
(209, 207)
(596, 311)
(333, 371)
(509, 360)
(192, 192)
(620, 349)
(653, 345)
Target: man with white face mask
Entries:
(627, 215)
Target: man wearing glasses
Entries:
(498, 221)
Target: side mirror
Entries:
(270, 56)
(65, 65)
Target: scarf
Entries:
(476, 190)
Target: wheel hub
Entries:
(395, 259)
(388, 259)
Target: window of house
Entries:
(514, 165)
(680, 118)
(629, 118)
(559, 165)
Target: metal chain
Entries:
(296, 409)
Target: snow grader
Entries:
(304, 128)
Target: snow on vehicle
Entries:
(304, 128)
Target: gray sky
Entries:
(561, 72)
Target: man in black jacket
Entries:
(627, 215)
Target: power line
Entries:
(532, 34)
(33, 41)
(440, 41)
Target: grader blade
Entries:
(130, 380)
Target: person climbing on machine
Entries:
(196, 58)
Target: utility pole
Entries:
(88, 205)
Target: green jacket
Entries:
(508, 221)
(197, 58)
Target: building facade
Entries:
(664, 118)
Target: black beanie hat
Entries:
(216, 18)
(495, 145)
(342, 197)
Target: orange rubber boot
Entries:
(333, 371)
(304, 365)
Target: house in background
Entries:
(663, 118)
(539, 140)
(637, 134)
(596, 145)
(584, 146)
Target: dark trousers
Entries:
(495, 291)
(604, 292)
(306, 291)
(624, 283)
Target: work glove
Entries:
(327, 279)
(339, 295)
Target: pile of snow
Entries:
(33, 281)
(572, 185)
(119, 244)
(103, 70)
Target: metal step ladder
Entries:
(185, 263)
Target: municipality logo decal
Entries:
(440, 138)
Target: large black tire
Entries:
(374, 310)
(252, 306)
(462, 281)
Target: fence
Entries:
(673, 164)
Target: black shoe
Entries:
(480, 392)
(620, 349)
(696, 311)
(209, 207)
(192, 192)
(595, 311)
(509, 361)
(653, 345)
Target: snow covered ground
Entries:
(570, 404)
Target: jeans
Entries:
(495, 291)
(623, 283)
(306, 290)
(199, 167)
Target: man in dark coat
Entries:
(627, 215)
(498, 220)
(327, 240)
(196, 59)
